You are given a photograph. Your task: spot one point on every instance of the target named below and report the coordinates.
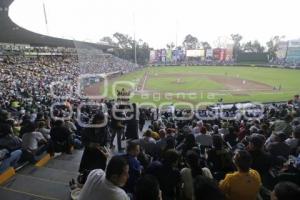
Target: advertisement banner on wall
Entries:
(209, 53)
(194, 53)
(152, 57)
(294, 44)
(282, 50)
(169, 55)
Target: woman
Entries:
(192, 170)
(219, 158)
(94, 141)
(132, 131)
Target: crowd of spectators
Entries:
(30, 85)
(213, 158)
(197, 158)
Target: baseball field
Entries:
(206, 84)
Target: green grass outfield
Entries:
(162, 84)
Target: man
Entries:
(261, 160)
(294, 142)
(285, 191)
(243, 184)
(101, 185)
(147, 188)
(203, 138)
(167, 174)
(61, 137)
(278, 147)
(33, 143)
(9, 159)
(197, 128)
(206, 189)
(117, 128)
(148, 143)
(135, 168)
(283, 125)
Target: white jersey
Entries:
(97, 187)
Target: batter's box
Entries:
(92, 86)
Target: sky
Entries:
(159, 22)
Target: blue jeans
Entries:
(11, 161)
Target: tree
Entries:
(108, 40)
(257, 47)
(190, 42)
(205, 45)
(254, 47)
(247, 47)
(170, 45)
(236, 38)
(123, 41)
(272, 45)
(126, 48)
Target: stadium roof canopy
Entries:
(12, 33)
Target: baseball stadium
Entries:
(205, 107)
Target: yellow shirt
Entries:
(155, 135)
(241, 186)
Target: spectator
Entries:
(33, 143)
(135, 168)
(219, 158)
(285, 191)
(95, 140)
(43, 130)
(294, 142)
(204, 139)
(192, 170)
(243, 184)
(132, 125)
(188, 144)
(147, 188)
(117, 128)
(207, 189)
(8, 140)
(278, 147)
(107, 185)
(9, 159)
(231, 136)
(61, 137)
(261, 160)
(142, 119)
(161, 143)
(148, 143)
(167, 174)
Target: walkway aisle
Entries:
(49, 182)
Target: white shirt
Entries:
(30, 140)
(97, 187)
